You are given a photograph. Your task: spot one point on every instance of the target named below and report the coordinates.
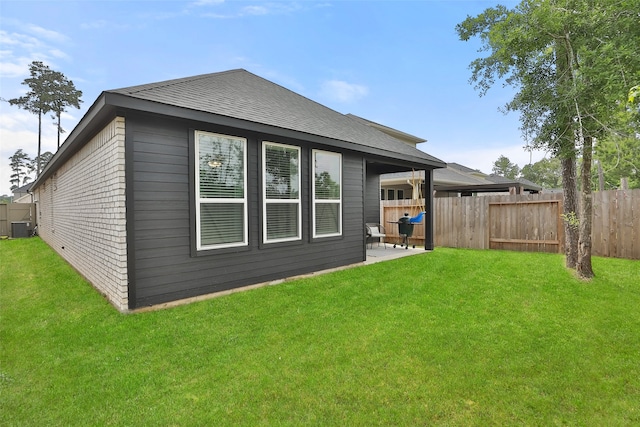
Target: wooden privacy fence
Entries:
(531, 222)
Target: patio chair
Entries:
(376, 231)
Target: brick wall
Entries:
(81, 212)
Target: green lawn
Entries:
(453, 338)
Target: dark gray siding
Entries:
(160, 218)
(372, 197)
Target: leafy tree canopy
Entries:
(504, 167)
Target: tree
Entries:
(49, 90)
(39, 99)
(40, 162)
(618, 158)
(545, 172)
(504, 167)
(571, 62)
(20, 166)
(65, 95)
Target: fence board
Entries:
(471, 222)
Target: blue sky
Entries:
(398, 63)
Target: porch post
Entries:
(429, 225)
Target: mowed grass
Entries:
(452, 338)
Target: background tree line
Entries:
(616, 166)
(49, 91)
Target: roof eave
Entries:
(108, 103)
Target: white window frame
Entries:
(210, 200)
(266, 201)
(321, 201)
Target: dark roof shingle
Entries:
(243, 95)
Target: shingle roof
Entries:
(242, 95)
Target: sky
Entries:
(398, 63)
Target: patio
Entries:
(379, 253)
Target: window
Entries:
(327, 194)
(400, 194)
(391, 194)
(382, 194)
(221, 197)
(281, 211)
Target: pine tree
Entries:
(20, 166)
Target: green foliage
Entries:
(619, 158)
(571, 62)
(65, 95)
(545, 172)
(23, 167)
(49, 91)
(42, 160)
(20, 167)
(326, 187)
(571, 219)
(504, 167)
(460, 337)
(40, 97)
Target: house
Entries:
(192, 186)
(453, 181)
(22, 194)
(458, 180)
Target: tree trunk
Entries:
(39, 143)
(583, 266)
(58, 114)
(570, 209)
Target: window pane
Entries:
(282, 220)
(221, 223)
(327, 218)
(221, 166)
(327, 176)
(282, 166)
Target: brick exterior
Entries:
(82, 212)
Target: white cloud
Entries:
(41, 47)
(14, 67)
(94, 25)
(40, 32)
(341, 91)
(206, 2)
(57, 53)
(483, 158)
(261, 9)
(255, 10)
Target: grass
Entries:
(451, 338)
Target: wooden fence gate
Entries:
(528, 225)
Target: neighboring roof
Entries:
(243, 95)
(24, 189)
(403, 136)
(456, 177)
(240, 99)
(495, 184)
